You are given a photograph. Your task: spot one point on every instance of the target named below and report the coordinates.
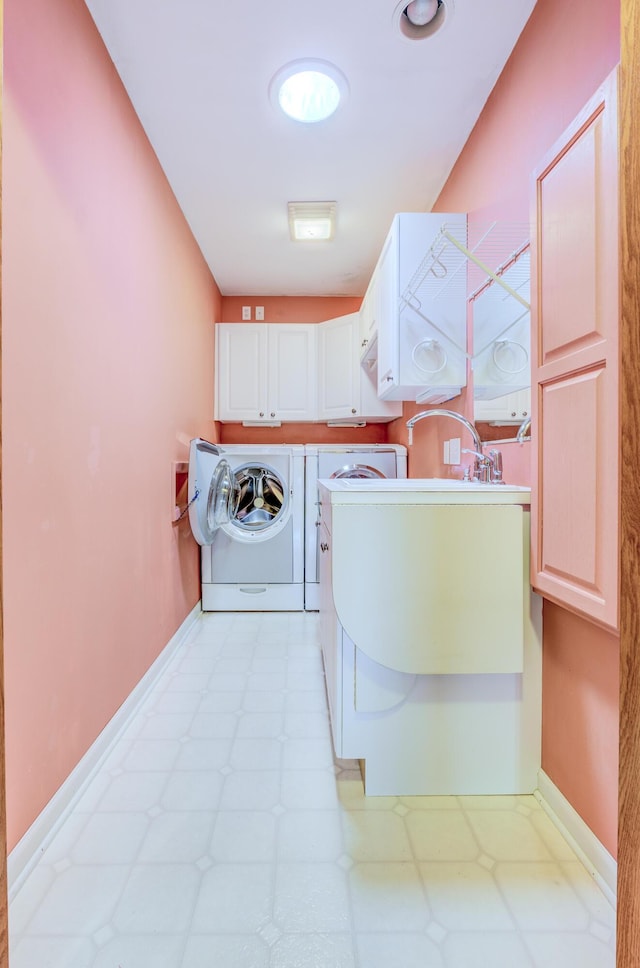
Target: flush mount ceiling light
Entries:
(308, 90)
(422, 18)
(312, 221)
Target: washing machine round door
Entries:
(215, 502)
(222, 500)
(262, 507)
(361, 471)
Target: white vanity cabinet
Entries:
(345, 391)
(512, 408)
(430, 635)
(266, 372)
(418, 337)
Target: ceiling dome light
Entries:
(422, 18)
(421, 12)
(308, 90)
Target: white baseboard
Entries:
(595, 857)
(27, 851)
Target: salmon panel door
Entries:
(575, 358)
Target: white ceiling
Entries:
(198, 72)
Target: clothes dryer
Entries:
(339, 460)
(247, 512)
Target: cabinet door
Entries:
(345, 389)
(386, 311)
(575, 407)
(338, 368)
(241, 371)
(292, 372)
(330, 640)
(368, 325)
(371, 406)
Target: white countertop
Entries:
(430, 490)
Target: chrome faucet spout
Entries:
(482, 464)
(447, 413)
(524, 430)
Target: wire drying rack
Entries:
(456, 266)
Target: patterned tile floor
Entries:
(219, 832)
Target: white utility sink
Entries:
(421, 484)
(422, 490)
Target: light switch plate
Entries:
(246, 312)
(454, 450)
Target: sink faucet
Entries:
(485, 468)
(524, 430)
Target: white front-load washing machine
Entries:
(247, 512)
(339, 460)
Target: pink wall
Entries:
(567, 48)
(107, 341)
(296, 309)
(290, 309)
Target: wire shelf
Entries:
(457, 265)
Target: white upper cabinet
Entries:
(266, 372)
(338, 375)
(345, 391)
(274, 372)
(418, 320)
(292, 386)
(512, 408)
(241, 372)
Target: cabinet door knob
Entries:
(273, 413)
(262, 413)
(353, 410)
(513, 413)
(524, 413)
(324, 546)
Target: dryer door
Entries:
(360, 471)
(212, 491)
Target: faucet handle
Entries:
(496, 466)
(486, 459)
(488, 467)
(482, 466)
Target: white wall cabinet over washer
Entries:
(266, 372)
(345, 390)
(419, 310)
